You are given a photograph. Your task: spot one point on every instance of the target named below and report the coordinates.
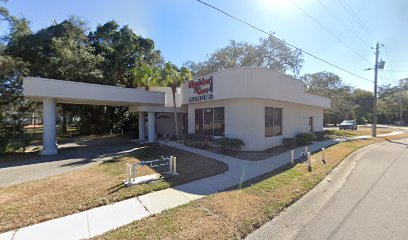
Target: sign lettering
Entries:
(203, 87)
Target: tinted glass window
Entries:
(208, 121)
(273, 121)
(268, 122)
(219, 122)
(199, 121)
(277, 121)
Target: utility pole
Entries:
(378, 65)
(400, 103)
(374, 125)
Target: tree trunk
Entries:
(175, 112)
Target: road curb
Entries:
(292, 220)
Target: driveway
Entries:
(368, 202)
(74, 154)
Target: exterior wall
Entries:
(165, 123)
(252, 83)
(168, 102)
(245, 119)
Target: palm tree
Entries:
(173, 78)
(145, 76)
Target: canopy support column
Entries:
(141, 126)
(151, 126)
(49, 127)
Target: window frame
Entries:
(271, 121)
(203, 131)
(216, 121)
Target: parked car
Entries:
(348, 124)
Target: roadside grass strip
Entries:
(235, 213)
(76, 191)
(362, 131)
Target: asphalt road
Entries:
(72, 156)
(370, 203)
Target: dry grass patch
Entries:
(76, 191)
(238, 212)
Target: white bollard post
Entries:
(309, 162)
(122, 132)
(323, 157)
(292, 157)
(128, 172)
(171, 164)
(175, 165)
(110, 132)
(134, 170)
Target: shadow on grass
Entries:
(77, 155)
(392, 141)
(262, 177)
(111, 161)
(116, 188)
(275, 172)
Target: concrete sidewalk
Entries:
(99, 220)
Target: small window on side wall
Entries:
(273, 121)
(277, 121)
(219, 121)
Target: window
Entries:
(273, 121)
(277, 121)
(199, 121)
(310, 124)
(219, 123)
(210, 121)
(268, 122)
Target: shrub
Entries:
(320, 136)
(288, 141)
(198, 140)
(303, 139)
(173, 138)
(18, 144)
(230, 143)
(3, 143)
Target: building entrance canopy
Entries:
(50, 92)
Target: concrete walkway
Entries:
(99, 220)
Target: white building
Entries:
(257, 105)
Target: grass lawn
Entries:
(101, 184)
(361, 131)
(236, 213)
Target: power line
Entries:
(384, 78)
(344, 24)
(350, 11)
(291, 45)
(327, 30)
(396, 70)
(391, 72)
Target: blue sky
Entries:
(187, 30)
